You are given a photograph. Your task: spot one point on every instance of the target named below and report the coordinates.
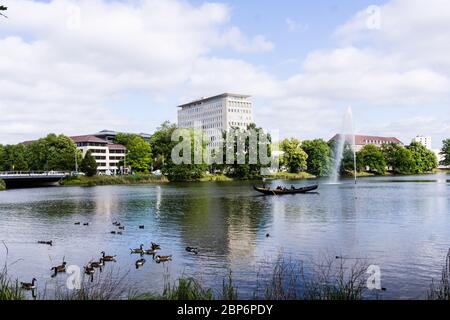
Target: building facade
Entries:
(361, 140)
(217, 114)
(106, 154)
(425, 141)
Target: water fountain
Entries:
(347, 135)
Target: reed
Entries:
(441, 290)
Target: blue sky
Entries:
(76, 67)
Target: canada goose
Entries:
(86, 224)
(140, 263)
(77, 223)
(156, 246)
(140, 250)
(107, 258)
(50, 243)
(121, 228)
(97, 264)
(89, 270)
(29, 286)
(192, 250)
(119, 233)
(113, 232)
(59, 269)
(150, 252)
(160, 259)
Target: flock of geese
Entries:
(91, 267)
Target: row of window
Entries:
(239, 110)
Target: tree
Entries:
(445, 152)
(319, 157)
(398, 158)
(13, 158)
(424, 159)
(161, 143)
(139, 152)
(371, 156)
(89, 165)
(52, 153)
(294, 158)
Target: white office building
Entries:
(217, 114)
(425, 141)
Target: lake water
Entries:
(401, 224)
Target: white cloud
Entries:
(295, 26)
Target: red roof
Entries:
(88, 138)
(116, 147)
(363, 140)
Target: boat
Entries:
(274, 192)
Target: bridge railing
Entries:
(32, 173)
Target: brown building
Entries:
(361, 140)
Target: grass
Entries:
(112, 180)
(441, 290)
(2, 185)
(216, 177)
(291, 176)
(9, 290)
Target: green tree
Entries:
(13, 158)
(161, 143)
(445, 152)
(190, 171)
(89, 165)
(294, 158)
(319, 157)
(371, 156)
(139, 152)
(424, 159)
(398, 158)
(54, 152)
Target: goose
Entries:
(86, 224)
(77, 223)
(97, 264)
(192, 250)
(59, 269)
(113, 232)
(120, 233)
(160, 259)
(29, 286)
(140, 263)
(155, 246)
(107, 258)
(140, 250)
(150, 252)
(89, 270)
(121, 227)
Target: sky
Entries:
(80, 66)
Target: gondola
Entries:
(274, 192)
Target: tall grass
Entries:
(2, 185)
(9, 290)
(113, 180)
(441, 290)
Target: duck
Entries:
(107, 258)
(115, 223)
(140, 263)
(50, 243)
(192, 250)
(59, 269)
(29, 286)
(77, 223)
(140, 250)
(155, 246)
(113, 232)
(121, 227)
(120, 233)
(160, 259)
(97, 264)
(141, 227)
(86, 224)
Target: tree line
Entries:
(59, 153)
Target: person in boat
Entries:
(292, 187)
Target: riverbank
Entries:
(112, 180)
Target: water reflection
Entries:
(379, 219)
